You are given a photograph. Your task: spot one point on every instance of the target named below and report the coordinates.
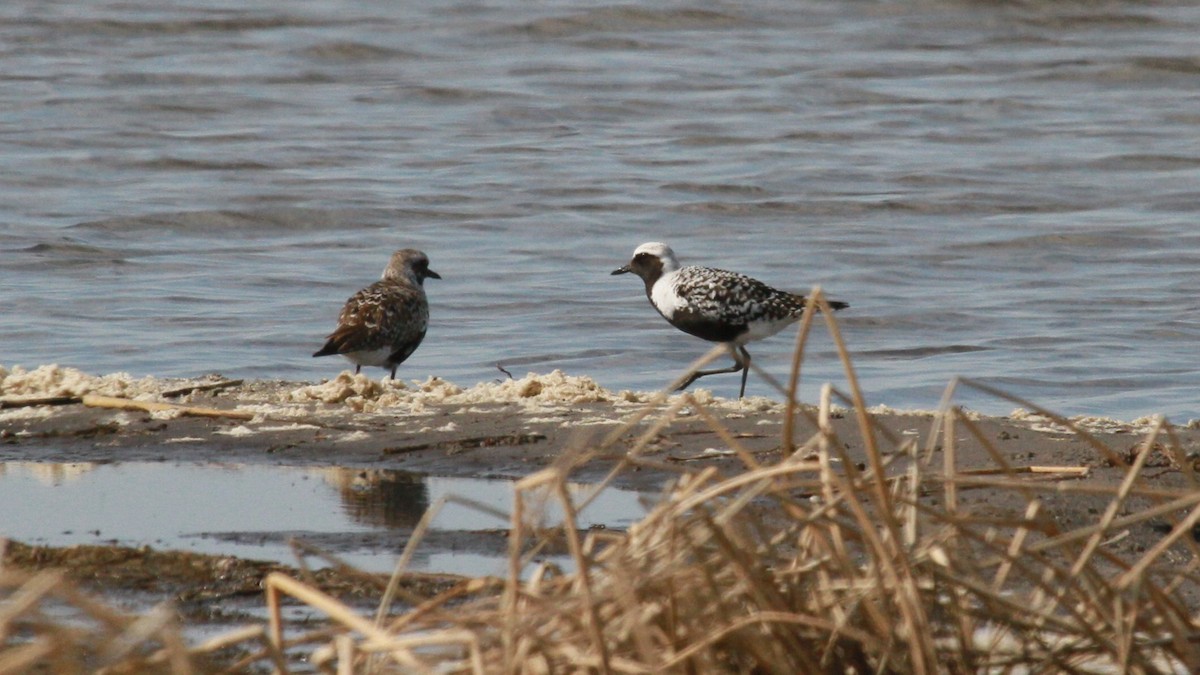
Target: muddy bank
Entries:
(201, 586)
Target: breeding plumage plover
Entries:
(383, 324)
(713, 304)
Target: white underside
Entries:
(763, 329)
(375, 357)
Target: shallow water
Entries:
(364, 517)
(1006, 191)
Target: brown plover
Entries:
(383, 324)
(714, 304)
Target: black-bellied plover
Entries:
(713, 304)
(383, 324)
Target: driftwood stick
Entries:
(95, 401)
(191, 388)
(27, 401)
(1073, 471)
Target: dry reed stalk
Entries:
(23, 658)
(1136, 574)
(410, 549)
(28, 595)
(303, 550)
(512, 583)
(593, 623)
(644, 439)
(401, 648)
(723, 433)
(252, 633)
(157, 621)
(47, 625)
(1118, 501)
(345, 654)
(950, 464)
(704, 360)
(1108, 453)
(787, 442)
(894, 571)
(1052, 471)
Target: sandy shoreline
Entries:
(510, 429)
(506, 428)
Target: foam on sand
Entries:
(553, 391)
(364, 394)
(55, 380)
(1092, 423)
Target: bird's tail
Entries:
(331, 347)
(835, 305)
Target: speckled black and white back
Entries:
(713, 304)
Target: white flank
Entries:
(376, 357)
(758, 330)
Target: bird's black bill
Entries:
(624, 269)
(432, 274)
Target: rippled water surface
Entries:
(1007, 191)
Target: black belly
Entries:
(705, 327)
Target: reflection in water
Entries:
(364, 516)
(48, 473)
(380, 497)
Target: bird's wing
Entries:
(377, 317)
(721, 295)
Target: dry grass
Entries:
(47, 625)
(805, 564)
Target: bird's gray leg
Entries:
(737, 365)
(394, 370)
(745, 368)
